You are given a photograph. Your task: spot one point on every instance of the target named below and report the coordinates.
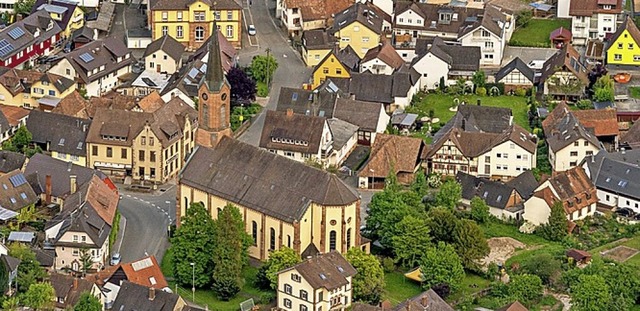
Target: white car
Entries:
(251, 30)
(115, 259)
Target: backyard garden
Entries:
(535, 32)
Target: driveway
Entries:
(291, 71)
(148, 216)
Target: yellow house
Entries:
(283, 202)
(625, 45)
(33, 89)
(359, 27)
(316, 44)
(337, 64)
(18, 198)
(68, 15)
(322, 282)
(191, 22)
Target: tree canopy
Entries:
(556, 228)
(88, 302)
(411, 242)
(39, 296)
(387, 208)
(29, 270)
(449, 195)
(368, 283)
(470, 243)
(263, 67)
(20, 141)
(231, 242)
(591, 293)
(278, 260)
(243, 88)
(441, 265)
(479, 210)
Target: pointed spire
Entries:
(215, 75)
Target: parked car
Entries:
(251, 30)
(625, 212)
(115, 259)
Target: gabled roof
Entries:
(69, 288)
(602, 122)
(99, 54)
(63, 134)
(311, 10)
(307, 102)
(73, 105)
(514, 306)
(589, 7)
(561, 33)
(348, 57)
(573, 188)
(562, 128)
(10, 161)
(15, 191)
(629, 26)
(371, 87)
(184, 4)
(492, 20)
(20, 81)
(525, 184)
(260, 180)
(632, 136)
(616, 172)
(431, 15)
(11, 263)
(38, 22)
(459, 58)
(300, 133)
(136, 297)
(400, 152)
(358, 12)
(341, 131)
(496, 194)
(516, 64)
(64, 8)
(385, 53)
(426, 301)
(565, 59)
(145, 272)
(365, 115)
(151, 102)
(167, 44)
(316, 39)
(328, 271)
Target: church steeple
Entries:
(215, 75)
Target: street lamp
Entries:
(193, 282)
(268, 67)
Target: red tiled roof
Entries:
(604, 122)
(145, 272)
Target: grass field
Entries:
(536, 33)
(471, 284)
(494, 229)
(634, 92)
(398, 288)
(632, 242)
(440, 103)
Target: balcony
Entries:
(480, 39)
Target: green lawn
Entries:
(471, 284)
(632, 242)
(634, 92)
(398, 288)
(440, 103)
(206, 297)
(537, 31)
(494, 229)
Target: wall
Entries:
(387, 70)
(432, 69)
(359, 37)
(612, 199)
(491, 46)
(619, 52)
(285, 278)
(514, 165)
(65, 254)
(564, 161)
(78, 160)
(536, 211)
(108, 164)
(313, 57)
(161, 62)
(330, 67)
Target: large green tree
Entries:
(262, 67)
(544, 265)
(411, 242)
(4, 277)
(556, 227)
(85, 260)
(23, 7)
(193, 242)
(20, 142)
(88, 302)
(470, 243)
(39, 296)
(231, 242)
(441, 265)
(389, 207)
(419, 184)
(479, 210)
(29, 270)
(442, 223)
(591, 293)
(368, 283)
(278, 260)
(449, 194)
(525, 288)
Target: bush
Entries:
(388, 265)
(520, 92)
(584, 104)
(481, 91)
(267, 297)
(263, 90)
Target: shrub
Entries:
(388, 265)
(263, 90)
(520, 92)
(267, 297)
(481, 91)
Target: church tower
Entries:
(214, 93)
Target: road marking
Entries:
(158, 207)
(266, 5)
(135, 198)
(167, 202)
(124, 227)
(252, 23)
(128, 195)
(166, 213)
(145, 201)
(153, 204)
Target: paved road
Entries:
(291, 70)
(148, 217)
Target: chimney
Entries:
(478, 102)
(47, 189)
(289, 112)
(152, 293)
(424, 300)
(75, 283)
(72, 183)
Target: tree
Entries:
(243, 88)
(230, 252)
(263, 67)
(387, 208)
(4, 277)
(479, 78)
(591, 293)
(29, 270)
(525, 288)
(470, 243)
(449, 195)
(567, 86)
(88, 302)
(442, 223)
(85, 260)
(368, 283)
(19, 142)
(556, 227)
(193, 242)
(479, 210)
(419, 184)
(10, 303)
(441, 265)
(23, 7)
(39, 296)
(278, 260)
(543, 265)
(411, 242)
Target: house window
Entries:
(229, 15)
(295, 278)
(272, 240)
(141, 171)
(303, 294)
(338, 71)
(586, 143)
(165, 16)
(287, 303)
(617, 57)
(198, 16)
(109, 152)
(229, 31)
(75, 238)
(348, 238)
(332, 240)
(488, 45)
(152, 156)
(68, 72)
(303, 308)
(94, 150)
(179, 15)
(484, 33)
(576, 143)
(199, 34)
(589, 153)
(620, 46)
(325, 70)
(123, 153)
(288, 241)
(179, 32)
(487, 159)
(76, 252)
(165, 30)
(216, 15)
(574, 153)
(150, 141)
(630, 46)
(488, 56)
(365, 39)
(287, 289)
(141, 155)
(254, 232)
(636, 58)
(573, 163)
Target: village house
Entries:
(146, 146)
(624, 45)
(32, 89)
(11, 119)
(631, 139)
(97, 65)
(192, 22)
(298, 16)
(593, 19)
(322, 282)
(131, 296)
(319, 211)
(382, 59)
(400, 153)
(68, 289)
(616, 177)
(602, 123)
(516, 75)
(63, 136)
(505, 200)
(84, 223)
(564, 76)
(484, 142)
(442, 62)
(568, 140)
(10, 161)
(572, 188)
(490, 32)
(25, 40)
(164, 55)
(316, 44)
(339, 63)
(359, 27)
(16, 195)
(68, 15)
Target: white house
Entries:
(491, 34)
(164, 55)
(573, 189)
(382, 59)
(370, 118)
(450, 62)
(616, 177)
(516, 75)
(593, 19)
(562, 7)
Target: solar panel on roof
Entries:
(20, 236)
(193, 73)
(16, 33)
(5, 47)
(294, 96)
(6, 214)
(86, 57)
(17, 180)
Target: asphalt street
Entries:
(147, 221)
